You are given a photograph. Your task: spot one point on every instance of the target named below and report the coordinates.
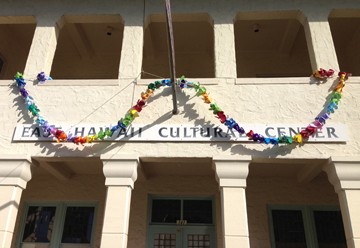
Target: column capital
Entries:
(120, 170)
(343, 172)
(231, 171)
(15, 170)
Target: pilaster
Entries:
(224, 46)
(319, 40)
(43, 46)
(15, 172)
(231, 173)
(132, 50)
(344, 174)
(120, 173)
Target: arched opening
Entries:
(194, 46)
(345, 30)
(271, 44)
(16, 37)
(88, 47)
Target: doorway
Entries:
(179, 222)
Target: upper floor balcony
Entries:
(103, 49)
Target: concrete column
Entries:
(132, 50)
(120, 173)
(42, 48)
(224, 45)
(231, 173)
(320, 43)
(344, 174)
(15, 172)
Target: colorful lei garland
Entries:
(133, 112)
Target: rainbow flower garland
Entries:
(133, 112)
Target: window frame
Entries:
(182, 198)
(59, 221)
(4, 67)
(307, 217)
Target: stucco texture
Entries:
(247, 104)
(263, 191)
(102, 103)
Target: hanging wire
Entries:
(132, 82)
(152, 74)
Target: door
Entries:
(181, 237)
(169, 237)
(181, 222)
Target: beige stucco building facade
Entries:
(255, 59)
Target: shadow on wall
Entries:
(18, 101)
(189, 112)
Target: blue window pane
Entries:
(78, 225)
(39, 224)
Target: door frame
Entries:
(184, 229)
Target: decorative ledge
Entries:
(203, 81)
(81, 82)
(69, 82)
(6, 82)
(287, 80)
(353, 80)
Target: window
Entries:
(16, 38)
(88, 47)
(179, 221)
(268, 44)
(306, 226)
(169, 211)
(346, 39)
(194, 46)
(57, 224)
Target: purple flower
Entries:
(70, 137)
(239, 129)
(42, 77)
(23, 92)
(256, 137)
(323, 118)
